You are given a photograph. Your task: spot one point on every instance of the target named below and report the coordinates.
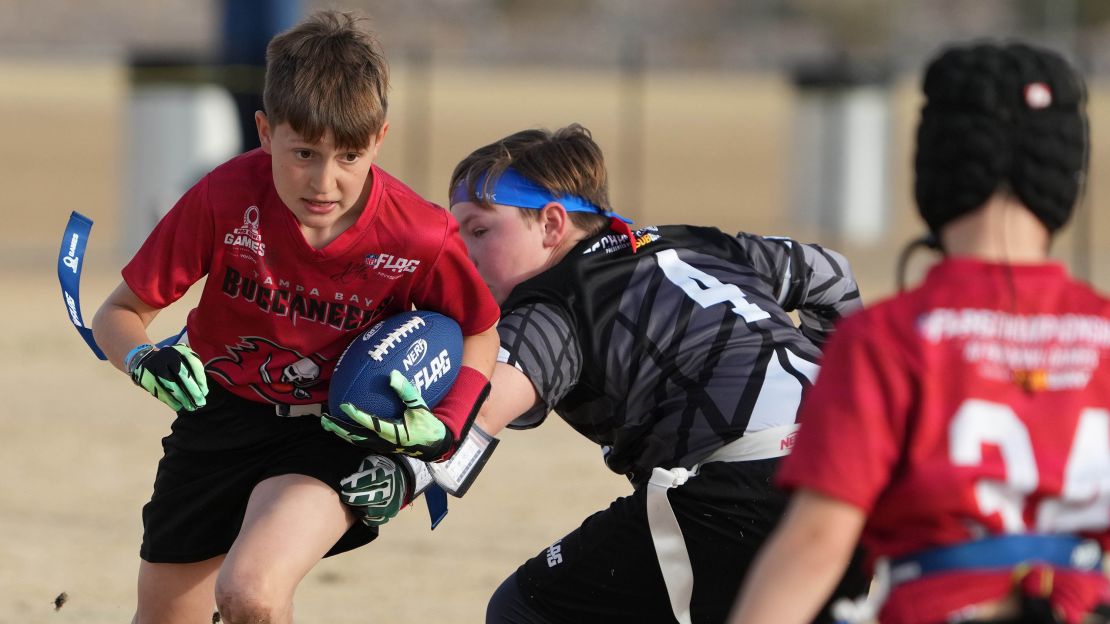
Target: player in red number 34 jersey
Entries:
(962, 430)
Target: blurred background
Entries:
(787, 117)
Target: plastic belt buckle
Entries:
(293, 411)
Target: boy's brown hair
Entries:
(565, 162)
(327, 73)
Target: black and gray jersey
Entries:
(664, 355)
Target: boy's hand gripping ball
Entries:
(388, 378)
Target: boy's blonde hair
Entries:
(564, 162)
(327, 73)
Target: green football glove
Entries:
(174, 375)
(417, 434)
(378, 490)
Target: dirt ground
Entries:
(80, 444)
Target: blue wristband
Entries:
(141, 349)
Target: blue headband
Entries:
(513, 189)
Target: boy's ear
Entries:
(376, 140)
(264, 138)
(554, 221)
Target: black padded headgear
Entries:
(1000, 116)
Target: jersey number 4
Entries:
(1084, 501)
(705, 289)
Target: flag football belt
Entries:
(765, 444)
(293, 411)
(666, 534)
(70, 262)
(71, 259)
(999, 554)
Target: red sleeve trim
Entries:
(461, 404)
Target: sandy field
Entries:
(79, 443)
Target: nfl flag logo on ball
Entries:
(425, 347)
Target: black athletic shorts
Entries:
(215, 456)
(607, 569)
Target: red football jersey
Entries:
(276, 313)
(977, 404)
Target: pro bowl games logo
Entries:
(71, 258)
(247, 238)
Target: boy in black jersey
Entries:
(668, 346)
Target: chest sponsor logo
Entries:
(246, 240)
(385, 263)
(380, 265)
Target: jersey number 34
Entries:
(1084, 501)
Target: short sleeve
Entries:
(455, 289)
(853, 420)
(177, 253)
(538, 340)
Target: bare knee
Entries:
(243, 603)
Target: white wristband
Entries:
(456, 474)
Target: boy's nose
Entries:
(323, 178)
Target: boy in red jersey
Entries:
(305, 244)
(962, 429)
